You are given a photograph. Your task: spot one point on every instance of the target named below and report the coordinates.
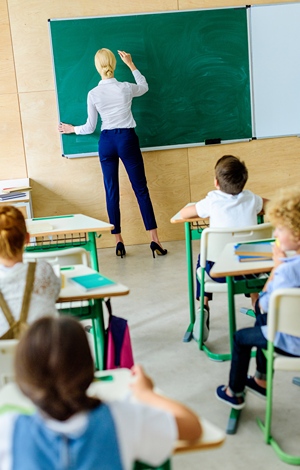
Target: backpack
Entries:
(118, 349)
(17, 327)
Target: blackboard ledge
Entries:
(166, 147)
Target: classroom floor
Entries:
(157, 312)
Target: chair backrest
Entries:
(213, 240)
(7, 353)
(64, 257)
(284, 312)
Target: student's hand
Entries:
(126, 57)
(141, 383)
(278, 254)
(65, 128)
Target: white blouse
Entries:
(112, 101)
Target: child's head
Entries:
(13, 232)
(231, 174)
(283, 211)
(54, 367)
(105, 63)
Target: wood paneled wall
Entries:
(29, 141)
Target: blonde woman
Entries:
(112, 100)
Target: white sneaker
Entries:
(196, 328)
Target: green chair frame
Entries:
(217, 239)
(283, 316)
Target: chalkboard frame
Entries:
(238, 72)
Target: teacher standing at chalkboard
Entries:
(112, 100)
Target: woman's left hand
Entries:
(66, 128)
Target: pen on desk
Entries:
(67, 268)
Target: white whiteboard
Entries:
(275, 62)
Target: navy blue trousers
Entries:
(244, 340)
(124, 144)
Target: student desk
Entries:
(63, 231)
(229, 266)
(71, 292)
(192, 228)
(109, 386)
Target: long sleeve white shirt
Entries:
(112, 101)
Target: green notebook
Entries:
(92, 281)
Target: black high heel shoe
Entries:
(154, 247)
(120, 249)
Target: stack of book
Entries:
(254, 251)
(14, 192)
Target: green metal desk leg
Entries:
(231, 310)
(233, 421)
(100, 333)
(93, 250)
(190, 272)
(96, 342)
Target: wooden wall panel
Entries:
(12, 160)
(271, 163)
(7, 71)
(195, 4)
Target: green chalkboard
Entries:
(196, 64)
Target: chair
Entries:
(62, 259)
(212, 242)
(66, 257)
(283, 316)
(7, 352)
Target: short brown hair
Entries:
(54, 367)
(231, 174)
(12, 232)
(284, 210)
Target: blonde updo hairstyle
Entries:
(13, 232)
(284, 210)
(105, 63)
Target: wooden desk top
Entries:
(177, 219)
(229, 265)
(115, 388)
(73, 292)
(72, 223)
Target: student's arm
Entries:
(188, 425)
(265, 202)
(189, 212)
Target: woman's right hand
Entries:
(66, 128)
(126, 57)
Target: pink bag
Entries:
(118, 344)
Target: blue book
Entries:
(263, 249)
(92, 281)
